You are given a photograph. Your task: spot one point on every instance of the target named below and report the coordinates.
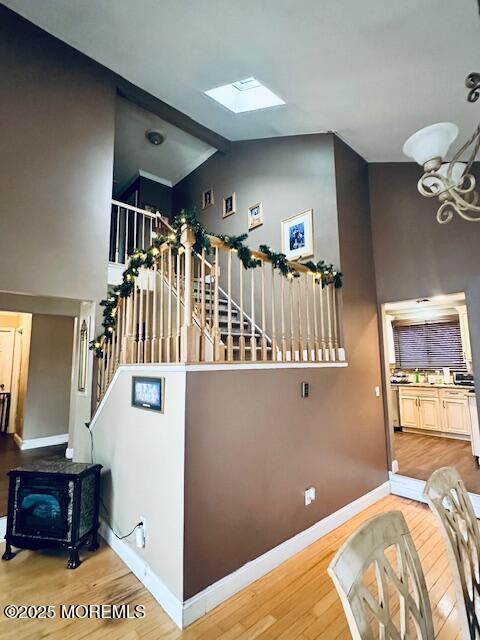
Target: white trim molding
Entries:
(151, 176)
(194, 165)
(37, 443)
(183, 614)
(3, 529)
(412, 488)
(212, 596)
(172, 606)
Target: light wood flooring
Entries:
(296, 601)
(418, 456)
(11, 457)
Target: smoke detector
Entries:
(155, 136)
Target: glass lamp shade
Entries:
(436, 185)
(430, 142)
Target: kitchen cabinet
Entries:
(409, 411)
(434, 409)
(456, 418)
(428, 414)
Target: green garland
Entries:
(243, 252)
(326, 273)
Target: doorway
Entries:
(15, 331)
(431, 406)
(36, 357)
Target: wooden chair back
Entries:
(450, 502)
(378, 576)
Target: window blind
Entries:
(431, 345)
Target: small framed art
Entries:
(148, 393)
(297, 235)
(255, 216)
(229, 205)
(207, 198)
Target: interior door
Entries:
(7, 341)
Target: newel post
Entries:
(189, 347)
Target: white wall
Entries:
(142, 453)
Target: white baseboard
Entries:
(412, 488)
(37, 443)
(212, 596)
(183, 614)
(171, 605)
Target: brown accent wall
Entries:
(415, 256)
(56, 164)
(253, 445)
(288, 175)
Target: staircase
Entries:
(182, 308)
(241, 333)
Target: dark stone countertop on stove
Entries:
(55, 465)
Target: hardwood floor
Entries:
(11, 456)
(419, 455)
(296, 601)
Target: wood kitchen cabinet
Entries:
(409, 411)
(434, 409)
(455, 413)
(428, 413)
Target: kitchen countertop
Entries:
(426, 385)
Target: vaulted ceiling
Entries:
(171, 161)
(372, 70)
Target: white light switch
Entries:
(377, 391)
(309, 496)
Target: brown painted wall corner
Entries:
(253, 445)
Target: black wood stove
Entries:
(53, 503)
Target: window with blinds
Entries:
(430, 345)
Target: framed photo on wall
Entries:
(297, 235)
(207, 198)
(229, 205)
(255, 216)
(148, 393)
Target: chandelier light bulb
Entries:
(431, 143)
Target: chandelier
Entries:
(451, 182)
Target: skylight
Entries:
(245, 95)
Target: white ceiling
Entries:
(373, 70)
(177, 156)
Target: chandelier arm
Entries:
(463, 148)
(460, 202)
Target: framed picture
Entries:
(148, 393)
(207, 198)
(297, 235)
(229, 205)
(255, 216)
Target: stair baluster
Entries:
(272, 303)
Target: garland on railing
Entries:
(243, 252)
(324, 273)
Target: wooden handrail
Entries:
(220, 244)
(182, 314)
(144, 212)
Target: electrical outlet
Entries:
(377, 391)
(309, 496)
(140, 537)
